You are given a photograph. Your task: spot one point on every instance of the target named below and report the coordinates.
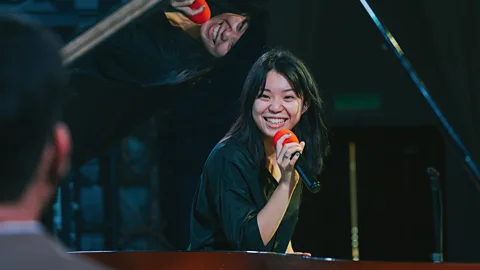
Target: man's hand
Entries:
(184, 7)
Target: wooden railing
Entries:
(249, 261)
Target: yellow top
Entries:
(177, 19)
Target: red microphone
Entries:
(203, 16)
(312, 184)
(280, 133)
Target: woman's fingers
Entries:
(184, 7)
(279, 146)
(181, 3)
(288, 156)
(302, 253)
(294, 159)
(303, 146)
(191, 12)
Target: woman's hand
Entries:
(290, 251)
(302, 254)
(184, 7)
(287, 156)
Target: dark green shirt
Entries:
(231, 193)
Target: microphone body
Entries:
(312, 184)
(203, 16)
(308, 178)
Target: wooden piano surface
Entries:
(248, 260)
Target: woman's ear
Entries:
(305, 107)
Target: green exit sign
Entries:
(357, 102)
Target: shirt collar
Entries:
(20, 227)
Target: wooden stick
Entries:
(105, 28)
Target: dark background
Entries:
(137, 195)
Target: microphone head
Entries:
(432, 172)
(203, 16)
(280, 133)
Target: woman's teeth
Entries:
(275, 120)
(215, 32)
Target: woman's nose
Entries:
(228, 34)
(276, 106)
(231, 34)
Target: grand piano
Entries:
(250, 261)
(236, 260)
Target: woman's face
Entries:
(278, 107)
(221, 32)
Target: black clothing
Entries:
(126, 79)
(147, 66)
(232, 191)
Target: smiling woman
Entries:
(221, 32)
(278, 107)
(249, 195)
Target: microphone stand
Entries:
(471, 166)
(437, 198)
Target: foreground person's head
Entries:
(34, 144)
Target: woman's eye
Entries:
(242, 25)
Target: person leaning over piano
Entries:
(34, 146)
(151, 63)
(249, 193)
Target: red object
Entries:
(280, 133)
(203, 16)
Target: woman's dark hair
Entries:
(189, 56)
(193, 54)
(311, 127)
(183, 57)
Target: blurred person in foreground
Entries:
(34, 145)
